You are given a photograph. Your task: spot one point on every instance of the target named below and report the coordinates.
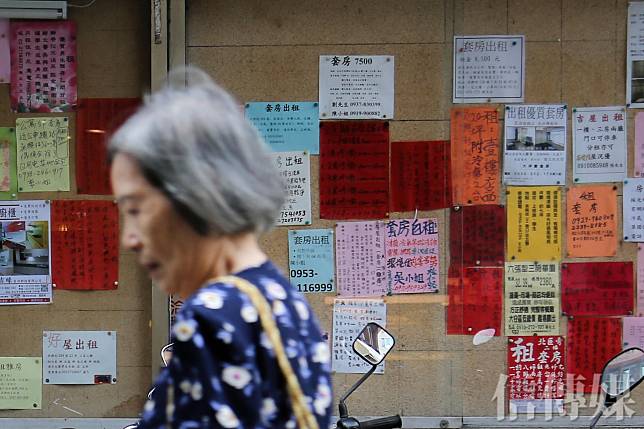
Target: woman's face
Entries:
(166, 246)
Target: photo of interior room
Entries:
(535, 138)
(25, 248)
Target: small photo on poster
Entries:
(25, 264)
(535, 138)
(25, 248)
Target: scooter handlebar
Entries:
(390, 422)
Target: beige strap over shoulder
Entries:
(305, 419)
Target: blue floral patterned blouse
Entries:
(223, 372)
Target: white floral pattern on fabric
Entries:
(228, 327)
(225, 336)
(323, 399)
(291, 352)
(197, 391)
(249, 314)
(302, 309)
(265, 341)
(149, 405)
(169, 409)
(279, 309)
(236, 376)
(184, 329)
(226, 417)
(274, 290)
(268, 409)
(211, 299)
(321, 353)
(185, 386)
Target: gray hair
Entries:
(194, 144)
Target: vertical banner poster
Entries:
(535, 145)
(635, 56)
(532, 298)
(591, 342)
(21, 387)
(488, 69)
(597, 288)
(640, 280)
(477, 235)
(536, 374)
(356, 87)
(591, 228)
(42, 154)
(475, 156)
(599, 144)
(25, 264)
(360, 258)
(475, 300)
(43, 66)
(349, 317)
(79, 357)
(310, 260)
(534, 223)
(354, 170)
(411, 246)
(638, 162)
(5, 51)
(287, 126)
(96, 120)
(633, 335)
(85, 246)
(295, 169)
(420, 176)
(633, 210)
(8, 166)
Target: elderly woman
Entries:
(196, 186)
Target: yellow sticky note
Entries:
(42, 154)
(21, 383)
(534, 223)
(532, 298)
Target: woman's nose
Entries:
(130, 240)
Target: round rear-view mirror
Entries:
(623, 372)
(373, 343)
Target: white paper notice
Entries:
(535, 145)
(295, 169)
(635, 55)
(633, 332)
(599, 144)
(633, 210)
(356, 87)
(79, 357)
(349, 317)
(25, 259)
(360, 258)
(488, 69)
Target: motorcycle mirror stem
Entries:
(342, 407)
(609, 400)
